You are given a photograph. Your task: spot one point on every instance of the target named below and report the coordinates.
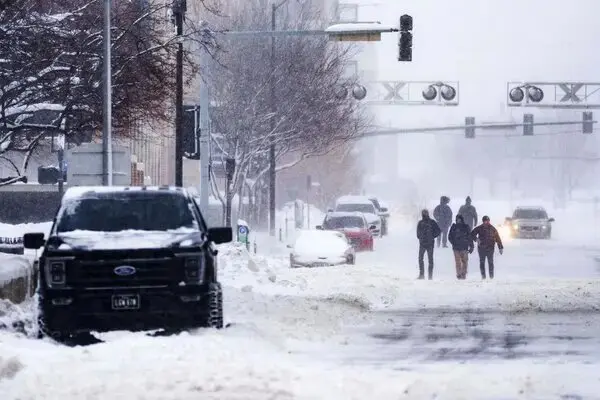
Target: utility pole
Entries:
(204, 140)
(107, 103)
(179, 8)
(272, 165)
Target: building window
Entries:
(347, 12)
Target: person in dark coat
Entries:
(427, 231)
(443, 216)
(462, 245)
(487, 237)
(469, 213)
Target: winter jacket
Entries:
(460, 237)
(469, 213)
(427, 231)
(488, 236)
(443, 215)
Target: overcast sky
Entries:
(483, 44)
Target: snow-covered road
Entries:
(351, 332)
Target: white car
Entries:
(317, 248)
(363, 205)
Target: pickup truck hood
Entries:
(90, 240)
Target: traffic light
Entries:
(405, 42)
(527, 124)
(588, 122)
(470, 130)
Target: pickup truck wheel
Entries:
(215, 306)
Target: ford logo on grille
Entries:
(125, 270)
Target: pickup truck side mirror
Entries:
(33, 241)
(551, 220)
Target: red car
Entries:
(355, 227)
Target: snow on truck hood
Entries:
(123, 240)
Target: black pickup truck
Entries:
(127, 258)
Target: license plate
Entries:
(320, 265)
(125, 302)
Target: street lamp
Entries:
(440, 91)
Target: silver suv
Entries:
(530, 222)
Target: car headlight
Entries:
(544, 227)
(516, 226)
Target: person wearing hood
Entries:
(443, 216)
(469, 213)
(427, 231)
(462, 245)
(487, 236)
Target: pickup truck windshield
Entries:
(119, 213)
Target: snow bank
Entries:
(9, 230)
(13, 267)
(377, 287)
(223, 365)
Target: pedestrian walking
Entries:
(469, 213)
(462, 245)
(442, 213)
(486, 236)
(427, 231)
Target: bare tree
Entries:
(51, 68)
(304, 119)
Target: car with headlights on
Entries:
(127, 258)
(530, 222)
(363, 205)
(321, 248)
(353, 225)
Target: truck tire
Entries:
(215, 306)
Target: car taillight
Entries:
(56, 273)
(193, 268)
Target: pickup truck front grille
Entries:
(148, 272)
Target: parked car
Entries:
(127, 258)
(383, 213)
(320, 248)
(352, 224)
(530, 222)
(363, 205)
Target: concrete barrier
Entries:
(18, 277)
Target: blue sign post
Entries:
(242, 234)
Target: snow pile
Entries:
(378, 287)
(286, 217)
(9, 230)
(225, 365)
(13, 266)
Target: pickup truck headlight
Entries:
(193, 267)
(56, 272)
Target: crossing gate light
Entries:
(359, 92)
(445, 91)
(534, 94)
